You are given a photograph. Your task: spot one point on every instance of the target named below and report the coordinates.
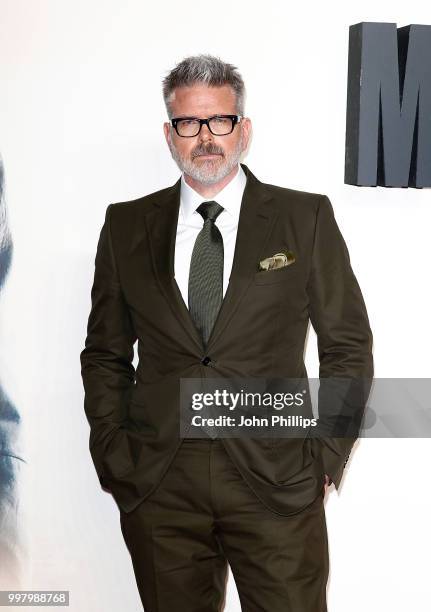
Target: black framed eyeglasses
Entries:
(219, 125)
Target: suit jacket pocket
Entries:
(138, 420)
(290, 455)
(123, 453)
(278, 275)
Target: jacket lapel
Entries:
(257, 216)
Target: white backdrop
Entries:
(81, 115)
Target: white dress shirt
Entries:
(190, 223)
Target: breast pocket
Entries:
(268, 277)
(276, 275)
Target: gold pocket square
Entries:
(279, 260)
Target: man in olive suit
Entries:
(177, 270)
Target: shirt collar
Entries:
(229, 197)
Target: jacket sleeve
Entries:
(106, 361)
(339, 317)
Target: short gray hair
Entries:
(204, 68)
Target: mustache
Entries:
(209, 150)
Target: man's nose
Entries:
(205, 134)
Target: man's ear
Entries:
(166, 130)
(247, 131)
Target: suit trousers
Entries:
(204, 516)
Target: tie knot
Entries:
(209, 210)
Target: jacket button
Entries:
(206, 360)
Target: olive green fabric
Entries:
(202, 516)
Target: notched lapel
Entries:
(258, 214)
(161, 226)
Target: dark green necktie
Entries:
(206, 271)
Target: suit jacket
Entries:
(260, 331)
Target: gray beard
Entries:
(208, 173)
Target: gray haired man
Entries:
(177, 270)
